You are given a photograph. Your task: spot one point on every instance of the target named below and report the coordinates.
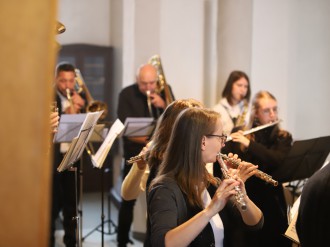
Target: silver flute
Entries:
(250, 131)
(139, 157)
(260, 174)
(239, 196)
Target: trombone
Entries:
(161, 83)
(92, 105)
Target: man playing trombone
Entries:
(71, 101)
(64, 194)
(141, 99)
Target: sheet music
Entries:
(139, 126)
(69, 127)
(291, 232)
(101, 154)
(100, 133)
(79, 142)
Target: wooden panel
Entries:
(28, 52)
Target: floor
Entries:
(91, 211)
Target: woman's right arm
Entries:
(131, 186)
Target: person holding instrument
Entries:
(64, 194)
(234, 105)
(70, 101)
(139, 177)
(141, 99)
(266, 148)
(180, 210)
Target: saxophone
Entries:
(240, 121)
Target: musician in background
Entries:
(266, 148)
(140, 99)
(234, 105)
(64, 194)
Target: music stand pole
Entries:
(77, 218)
(80, 209)
(102, 216)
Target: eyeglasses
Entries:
(267, 111)
(222, 137)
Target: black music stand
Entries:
(98, 161)
(76, 148)
(303, 160)
(136, 127)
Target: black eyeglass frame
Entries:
(222, 137)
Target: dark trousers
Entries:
(125, 216)
(64, 199)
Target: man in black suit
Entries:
(64, 184)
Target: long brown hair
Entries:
(233, 77)
(183, 157)
(164, 128)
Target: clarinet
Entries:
(239, 196)
(260, 174)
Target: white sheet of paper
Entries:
(101, 154)
(79, 142)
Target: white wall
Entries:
(86, 22)
(270, 51)
(182, 46)
(291, 58)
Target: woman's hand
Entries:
(245, 170)
(54, 121)
(142, 163)
(222, 195)
(239, 137)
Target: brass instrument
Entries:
(92, 105)
(229, 138)
(161, 84)
(240, 121)
(149, 103)
(60, 28)
(260, 174)
(68, 95)
(239, 196)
